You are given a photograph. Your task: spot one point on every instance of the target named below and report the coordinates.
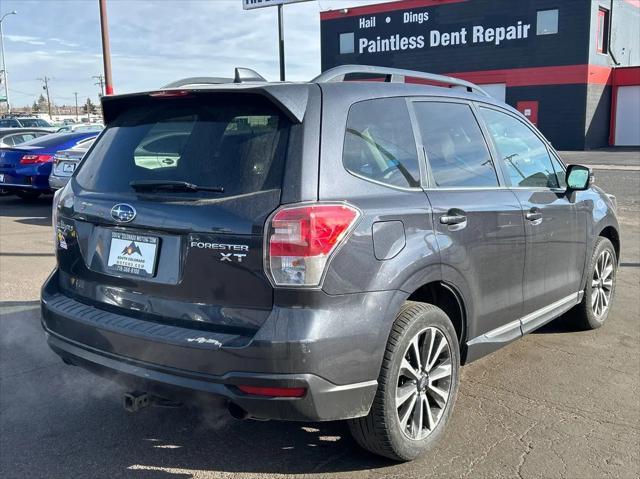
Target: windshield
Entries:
(236, 142)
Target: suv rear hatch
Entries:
(164, 218)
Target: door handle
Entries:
(534, 214)
(453, 217)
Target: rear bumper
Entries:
(58, 182)
(318, 349)
(30, 177)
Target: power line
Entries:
(100, 82)
(46, 88)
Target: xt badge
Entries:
(227, 257)
(236, 252)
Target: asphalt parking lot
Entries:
(559, 403)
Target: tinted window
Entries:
(55, 139)
(524, 155)
(456, 150)
(560, 172)
(30, 123)
(235, 141)
(379, 143)
(20, 138)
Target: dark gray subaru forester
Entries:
(319, 251)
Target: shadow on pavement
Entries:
(60, 421)
(36, 211)
(564, 324)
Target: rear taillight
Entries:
(32, 159)
(301, 239)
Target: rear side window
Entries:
(523, 154)
(236, 142)
(456, 150)
(379, 143)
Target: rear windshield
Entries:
(236, 142)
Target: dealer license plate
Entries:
(133, 254)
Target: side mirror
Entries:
(579, 178)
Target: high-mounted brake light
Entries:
(170, 94)
(301, 239)
(32, 159)
(273, 392)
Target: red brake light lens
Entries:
(273, 392)
(170, 94)
(33, 159)
(301, 239)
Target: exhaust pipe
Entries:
(136, 400)
(237, 412)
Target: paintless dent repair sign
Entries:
(441, 38)
(448, 36)
(251, 4)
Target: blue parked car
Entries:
(25, 169)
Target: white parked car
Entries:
(65, 163)
(77, 127)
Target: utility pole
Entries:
(106, 50)
(45, 87)
(76, 94)
(100, 82)
(281, 40)
(4, 62)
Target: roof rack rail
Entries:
(241, 75)
(393, 75)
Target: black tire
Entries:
(28, 195)
(585, 315)
(381, 432)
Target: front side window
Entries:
(379, 143)
(457, 153)
(523, 154)
(560, 171)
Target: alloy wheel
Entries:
(602, 284)
(424, 383)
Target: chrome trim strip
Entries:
(503, 329)
(514, 329)
(549, 308)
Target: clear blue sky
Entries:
(152, 43)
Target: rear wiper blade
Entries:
(154, 185)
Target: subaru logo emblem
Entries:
(123, 213)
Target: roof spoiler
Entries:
(393, 75)
(240, 75)
(291, 99)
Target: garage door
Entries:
(496, 90)
(628, 116)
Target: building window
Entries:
(346, 42)
(547, 22)
(602, 31)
